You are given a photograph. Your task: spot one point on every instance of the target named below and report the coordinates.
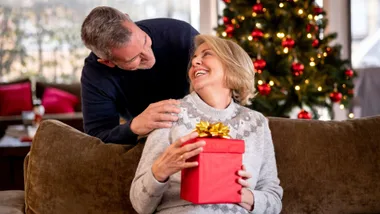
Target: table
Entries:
(12, 154)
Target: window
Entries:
(42, 37)
(365, 33)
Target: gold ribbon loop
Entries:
(205, 129)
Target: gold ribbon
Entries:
(205, 129)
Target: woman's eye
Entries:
(206, 53)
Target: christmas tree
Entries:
(294, 63)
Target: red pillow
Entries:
(15, 98)
(57, 101)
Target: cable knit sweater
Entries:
(148, 195)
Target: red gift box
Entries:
(215, 179)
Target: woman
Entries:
(221, 75)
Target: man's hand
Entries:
(174, 158)
(157, 115)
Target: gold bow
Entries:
(205, 129)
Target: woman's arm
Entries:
(146, 192)
(268, 192)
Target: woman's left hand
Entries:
(247, 197)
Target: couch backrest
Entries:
(328, 166)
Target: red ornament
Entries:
(335, 96)
(350, 91)
(318, 10)
(329, 50)
(288, 42)
(226, 20)
(349, 73)
(304, 115)
(258, 8)
(297, 68)
(311, 28)
(315, 43)
(264, 89)
(259, 65)
(227, 1)
(229, 29)
(257, 34)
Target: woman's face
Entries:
(207, 70)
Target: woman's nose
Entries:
(197, 61)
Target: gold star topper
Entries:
(205, 129)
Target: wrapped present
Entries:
(215, 179)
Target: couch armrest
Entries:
(12, 202)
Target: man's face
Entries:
(137, 53)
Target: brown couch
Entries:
(324, 167)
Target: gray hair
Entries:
(102, 30)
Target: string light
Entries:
(286, 50)
(344, 97)
(254, 14)
(258, 25)
(312, 64)
(271, 83)
(307, 81)
(309, 35)
(310, 16)
(300, 11)
(297, 88)
(344, 85)
(312, 59)
(316, 18)
(319, 56)
(351, 115)
(325, 54)
(267, 35)
(264, 10)
(320, 88)
(280, 35)
(224, 34)
(341, 106)
(281, 5)
(260, 82)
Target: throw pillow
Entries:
(68, 171)
(58, 101)
(15, 98)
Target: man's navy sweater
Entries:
(111, 93)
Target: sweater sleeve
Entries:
(100, 116)
(268, 192)
(146, 192)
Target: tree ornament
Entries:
(258, 8)
(230, 28)
(288, 42)
(227, 1)
(226, 20)
(259, 65)
(350, 91)
(317, 10)
(315, 43)
(297, 69)
(264, 89)
(349, 73)
(311, 28)
(335, 96)
(257, 34)
(304, 115)
(329, 50)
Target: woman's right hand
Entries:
(174, 158)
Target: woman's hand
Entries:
(247, 197)
(174, 158)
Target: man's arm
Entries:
(101, 118)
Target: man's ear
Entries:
(106, 63)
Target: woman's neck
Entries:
(216, 99)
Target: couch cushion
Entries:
(15, 98)
(58, 101)
(328, 166)
(71, 172)
(12, 202)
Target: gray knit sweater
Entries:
(148, 195)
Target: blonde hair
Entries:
(239, 70)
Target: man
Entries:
(135, 71)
